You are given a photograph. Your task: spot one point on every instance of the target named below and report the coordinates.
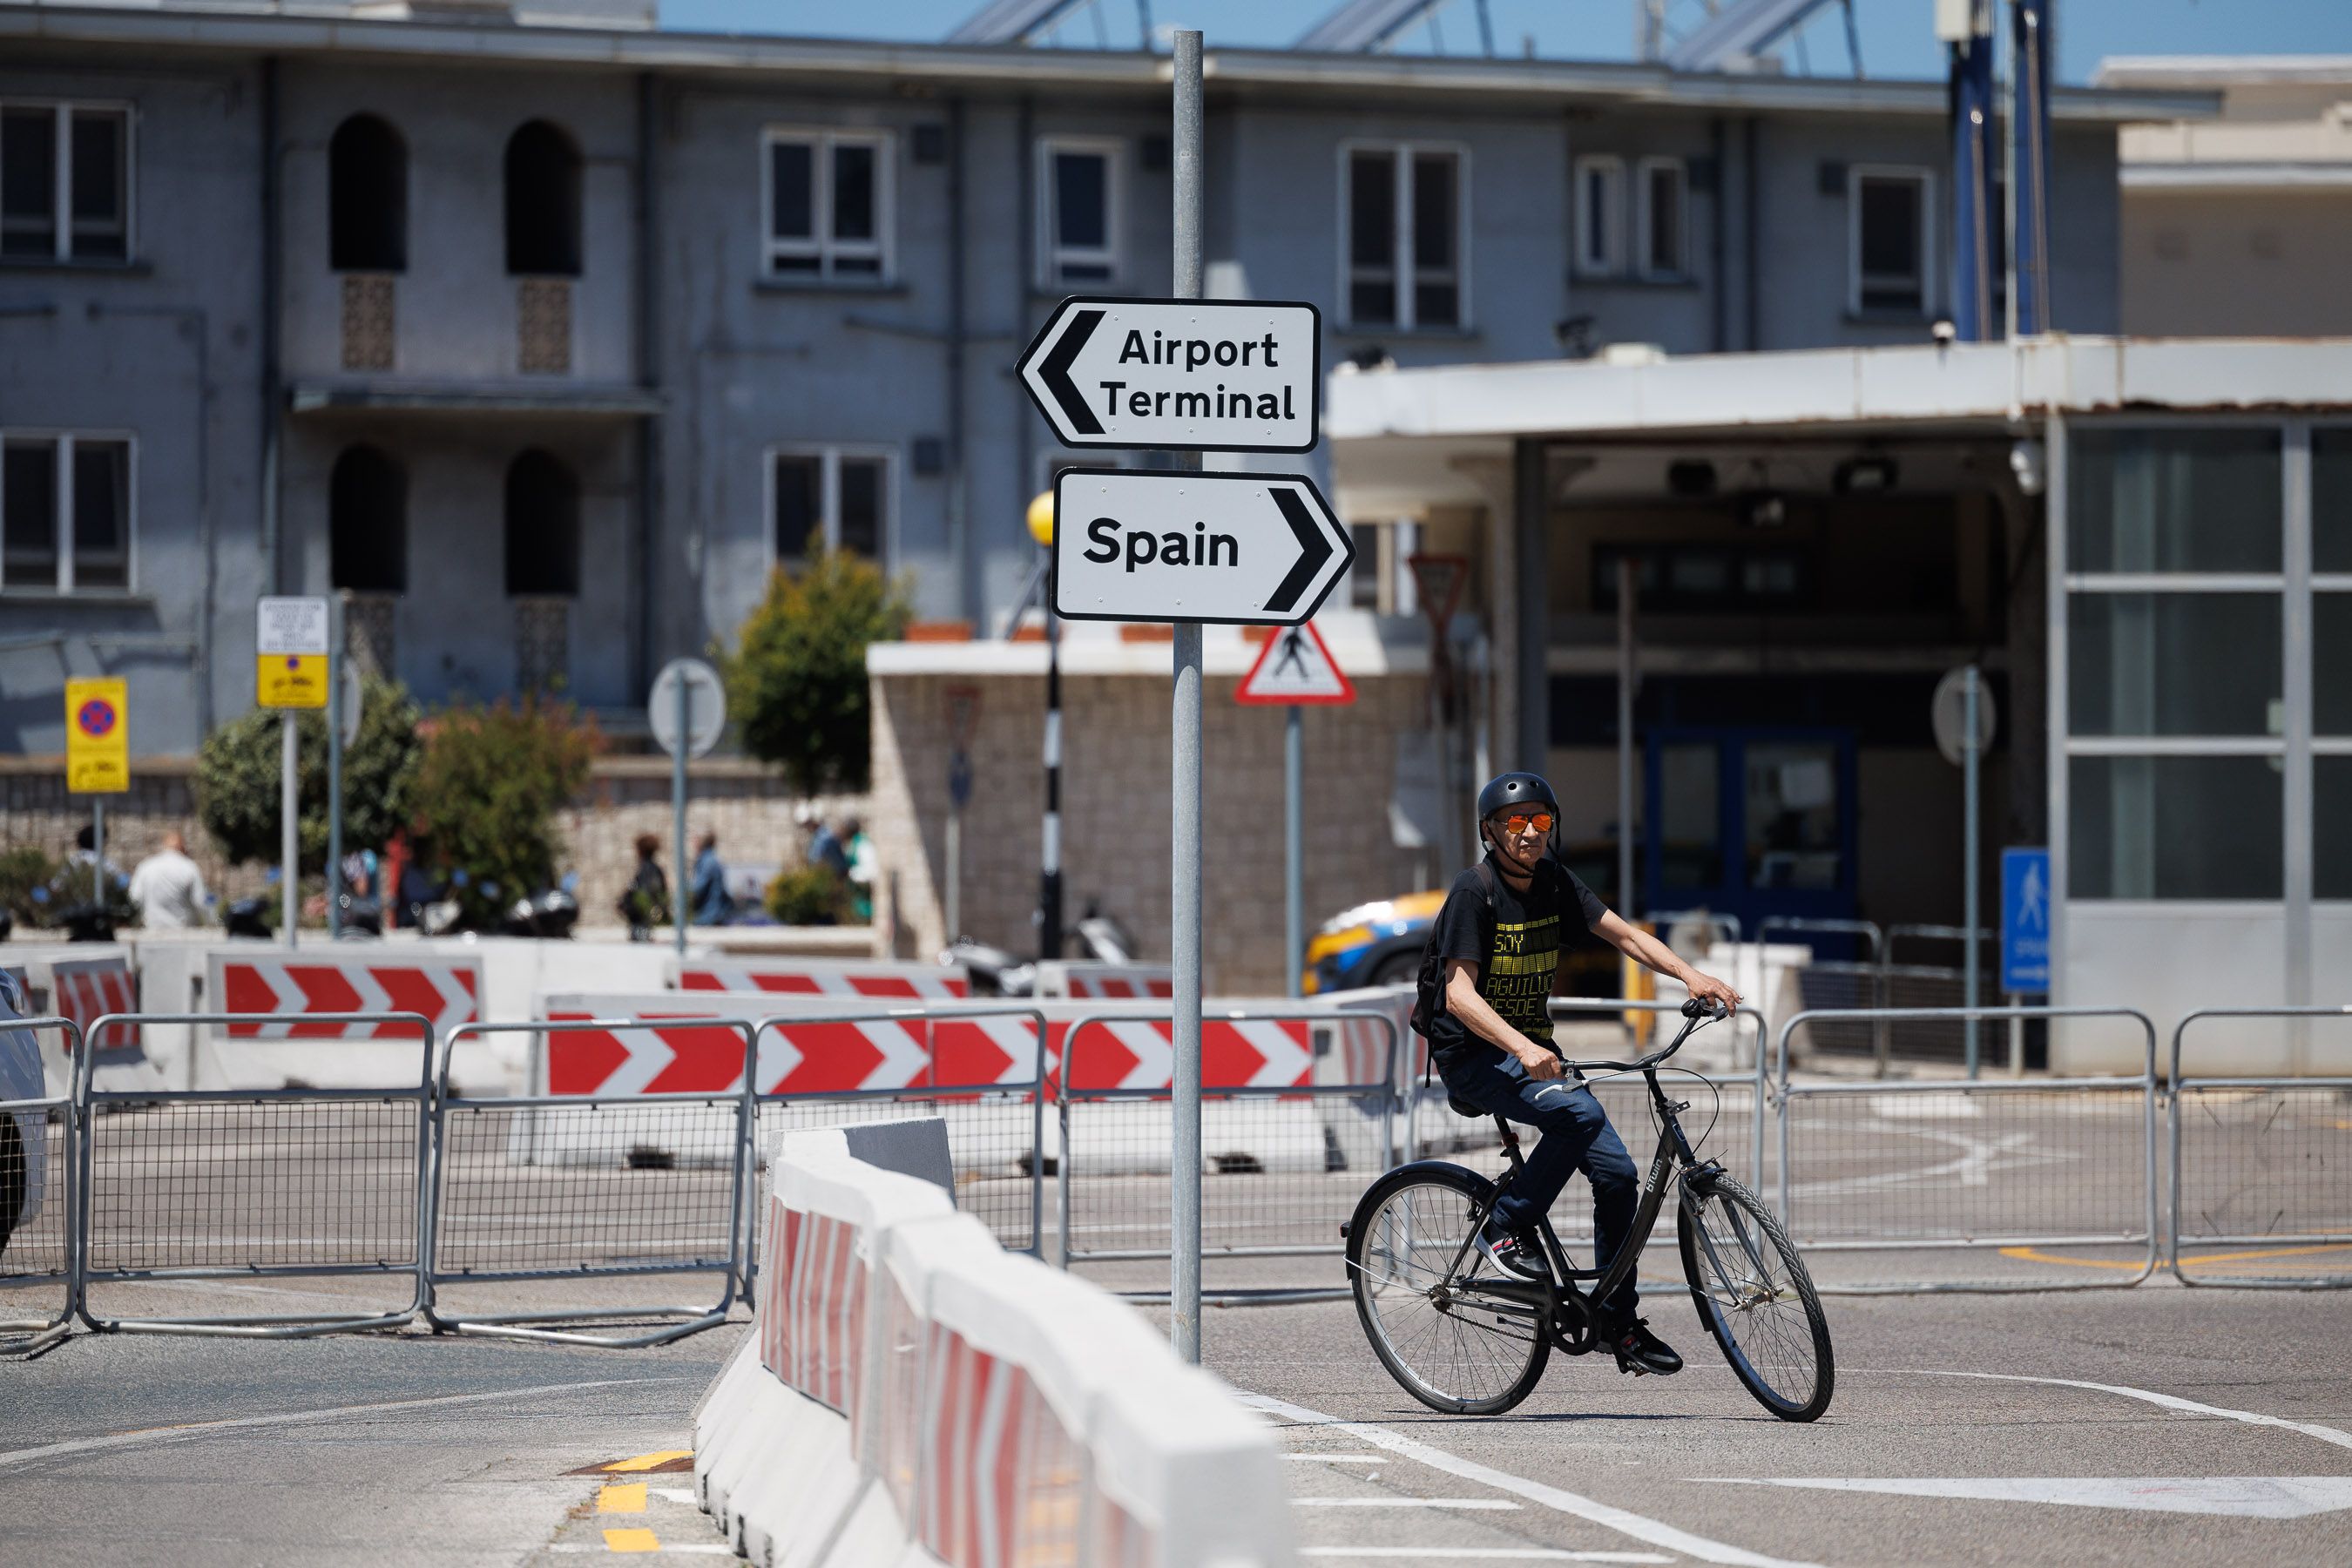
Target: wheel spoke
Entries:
(1443, 1335)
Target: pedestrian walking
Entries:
(706, 894)
(168, 887)
(646, 899)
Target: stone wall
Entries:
(1115, 805)
(750, 808)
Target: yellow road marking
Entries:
(649, 1461)
(622, 1500)
(631, 1541)
(2029, 1255)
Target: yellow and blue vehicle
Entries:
(1379, 943)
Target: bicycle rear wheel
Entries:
(1756, 1298)
(1469, 1342)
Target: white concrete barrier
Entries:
(912, 1395)
(878, 980)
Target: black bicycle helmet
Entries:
(1515, 789)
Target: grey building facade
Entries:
(543, 344)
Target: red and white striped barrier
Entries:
(87, 989)
(1107, 982)
(875, 980)
(293, 987)
(912, 1395)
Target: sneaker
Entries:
(1639, 1351)
(1514, 1253)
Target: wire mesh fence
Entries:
(2057, 1175)
(2261, 1167)
(558, 1190)
(1288, 1142)
(187, 1186)
(37, 1209)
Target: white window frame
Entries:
(64, 440)
(1606, 258)
(1402, 268)
(1051, 253)
(829, 455)
(821, 244)
(61, 137)
(1646, 265)
(1925, 178)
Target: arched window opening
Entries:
(367, 524)
(542, 202)
(367, 197)
(542, 527)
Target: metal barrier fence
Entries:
(1284, 1164)
(568, 1187)
(1835, 987)
(996, 1124)
(1970, 1164)
(2262, 1163)
(37, 1206)
(204, 1185)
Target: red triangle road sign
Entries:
(1294, 669)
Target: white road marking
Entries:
(206, 1429)
(1495, 1503)
(2245, 1497)
(1484, 1553)
(2169, 1401)
(1537, 1492)
(1333, 1459)
(677, 1494)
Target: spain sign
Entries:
(98, 743)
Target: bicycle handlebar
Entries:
(1698, 1010)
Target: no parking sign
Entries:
(97, 742)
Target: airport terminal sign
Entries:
(1227, 375)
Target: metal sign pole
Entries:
(288, 863)
(677, 808)
(1972, 749)
(1624, 737)
(1294, 871)
(1184, 1235)
(334, 766)
(98, 888)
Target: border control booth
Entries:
(2146, 546)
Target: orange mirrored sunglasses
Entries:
(1521, 821)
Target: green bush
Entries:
(237, 773)
(806, 896)
(796, 679)
(22, 869)
(487, 795)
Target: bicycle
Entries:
(1464, 1338)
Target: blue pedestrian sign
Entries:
(2025, 920)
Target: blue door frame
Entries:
(1731, 891)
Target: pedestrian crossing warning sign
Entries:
(1295, 667)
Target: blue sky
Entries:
(1897, 40)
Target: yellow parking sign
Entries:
(291, 654)
(98, 744)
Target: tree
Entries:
(238, 779)
(796, 680)
(492, 780)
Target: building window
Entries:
(1403, 223)
(367, 524)
(542, 527)
(542, 179)
(828, 204)
(65, 512)
(1663, 217)
(1078, 185)
(367, 197)
(65, 182)
(830, 497)
(1600, 216)
(1887, 229)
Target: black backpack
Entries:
(1429, 982)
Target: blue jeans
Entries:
(1576, 1137)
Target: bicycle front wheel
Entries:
(1462, 1339)
(1756, 1298)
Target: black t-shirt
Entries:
(1515, 942)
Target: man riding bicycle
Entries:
(1498, 940)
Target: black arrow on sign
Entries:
(1314, 549)
(1055, 373)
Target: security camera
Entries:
(2025, 460)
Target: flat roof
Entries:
(1279, 73)
(1984, 384)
